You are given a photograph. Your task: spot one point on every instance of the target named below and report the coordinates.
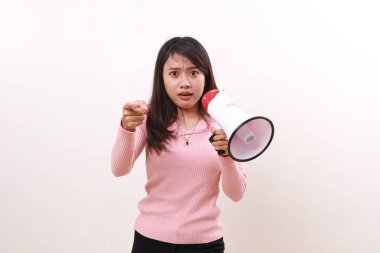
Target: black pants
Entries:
(143, 244)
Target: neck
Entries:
(189, 119)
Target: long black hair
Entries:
(162, 111)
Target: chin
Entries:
(187, 106)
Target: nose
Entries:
(185, 83)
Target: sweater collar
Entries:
(201, 127)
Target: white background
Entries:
(67, 67)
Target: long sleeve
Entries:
(234, 178)
(126, 149)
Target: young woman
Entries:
(179, 213)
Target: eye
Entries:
(173, 73)
(193, 73)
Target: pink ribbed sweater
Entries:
(182, 184)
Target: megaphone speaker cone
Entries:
(250, 139)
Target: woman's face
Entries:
(184, 82)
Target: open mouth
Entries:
(185, 95)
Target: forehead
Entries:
(178, 61)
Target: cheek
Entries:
(170, 87)
(199, 92)
(201, 85)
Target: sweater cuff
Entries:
(120, 126)
(124, 136)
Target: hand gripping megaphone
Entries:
(248, 137)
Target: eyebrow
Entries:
(187, 68)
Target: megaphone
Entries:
(248, 137)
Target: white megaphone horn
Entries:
(248, 137)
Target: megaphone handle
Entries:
(211, 139)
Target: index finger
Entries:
(136, 105)
(219, 131)
(128, 106)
